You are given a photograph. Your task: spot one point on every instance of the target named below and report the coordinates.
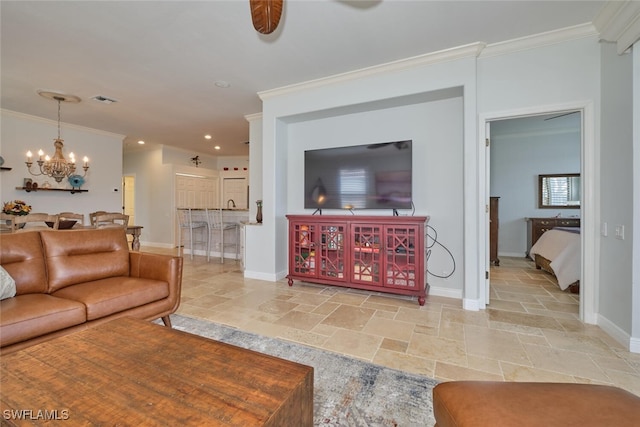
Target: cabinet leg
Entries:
(421, 300)
(290, 281)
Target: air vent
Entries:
(104, 99)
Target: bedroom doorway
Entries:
(520, 147)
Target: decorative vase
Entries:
(259, 213)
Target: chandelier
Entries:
(57, 167)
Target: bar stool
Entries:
(214, 218)
(187, 224)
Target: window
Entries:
(559, 191)
(353, 188)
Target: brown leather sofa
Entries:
(71, 280)
(527, 404)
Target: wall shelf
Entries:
(69, 190)
(5, 169)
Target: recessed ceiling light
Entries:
(141, 142)
(217, 147)
(207, 137)
(222, 84)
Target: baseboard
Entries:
(512, 254)
(445, 292)
(258, 275)
(631, 344)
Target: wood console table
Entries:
(136, 373)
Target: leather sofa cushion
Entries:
(21, 255)
(31, 315)
(527, 404)
(79, 256)
(108, 296)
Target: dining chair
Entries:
(189, 222)
(111, 219)
(36, 221)
(217, 225)
(92, 217)
(67, 217)
(7, 223)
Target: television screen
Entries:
(371, 176)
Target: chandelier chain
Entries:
(58, 99)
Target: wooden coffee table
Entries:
(130, 372)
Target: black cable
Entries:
(428, 247)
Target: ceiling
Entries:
(160, 59)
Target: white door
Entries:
(487, 219)
(128, 197)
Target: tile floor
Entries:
(529, 332)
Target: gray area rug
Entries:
(347, 392)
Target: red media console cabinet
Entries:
(377, 253)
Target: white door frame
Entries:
(589, 204)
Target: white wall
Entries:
(21, 132)
(635, 228)
(616, 163)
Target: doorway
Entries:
(129, 197)
(582, 118)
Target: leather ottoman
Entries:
(496, 404)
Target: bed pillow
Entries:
(7, 285)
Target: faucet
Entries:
(233, 204)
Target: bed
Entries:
(557, 251)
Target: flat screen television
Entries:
(370, 176)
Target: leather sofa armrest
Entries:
(167, 268)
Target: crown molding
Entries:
(467, 51)
(539, 40)
(252, 117)
(66, 125)
(619, 22)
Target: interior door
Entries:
(128, 197)
(487, 218)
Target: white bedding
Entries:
(562, 248)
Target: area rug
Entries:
(347, 392)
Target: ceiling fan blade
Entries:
(378, 145)
(561, 115)
(265, 15)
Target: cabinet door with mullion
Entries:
(366, 241)
(303, 248)
(331, 252)
(402, 262)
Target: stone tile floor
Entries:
(530, 331)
